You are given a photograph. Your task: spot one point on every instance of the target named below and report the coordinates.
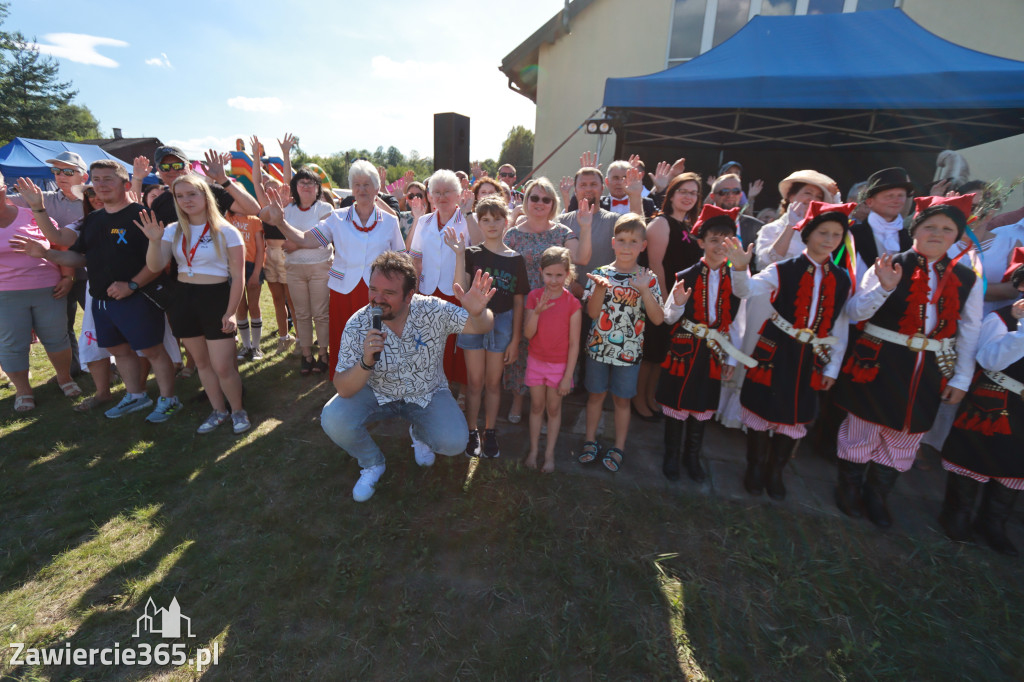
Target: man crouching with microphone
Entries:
(397, 371)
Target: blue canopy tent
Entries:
(25, 158)
(873, 82)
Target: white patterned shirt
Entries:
(411, 365)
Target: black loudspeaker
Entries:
(451, 141)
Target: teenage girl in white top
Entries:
(210, 255)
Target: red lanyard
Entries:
(189, 255)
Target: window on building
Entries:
(825, 6)
(730, 17)
(687, 29)
(868, 5)
(778, 8)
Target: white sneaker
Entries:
(424, 455)
(367, 483)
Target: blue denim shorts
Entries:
(494, 341)
(619, 379)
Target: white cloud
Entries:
(162, 61)
(270, 105)
(79, 47)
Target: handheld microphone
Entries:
(376, 315)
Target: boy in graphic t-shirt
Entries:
(620, 298)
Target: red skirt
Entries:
(342, 307)
(454, 358)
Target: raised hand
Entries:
(753, 189)
(585, 214)
(635, 161)
(133, 197)
(739, 256)
(661, 176)
(795, 212)
(678, 167)
(383, 173)
(681, 293)
(833, 188)
(565, 188)
(589, 160)
(407, 177)
(477, 170)
(544, 302)
(600, 281)
(274, 209)
(140, 167)
(150, 226)
(634, 182)
(22, 244)
(479, 294)
(33, 195)
(254, 144)
(287, 143)
(888, 273)
(466, 200)
(641, 281)
(418, 207)
(455, 243)
(214, 163)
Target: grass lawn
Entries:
(455, 572)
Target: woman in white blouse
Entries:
(210, 255)
(365, 232)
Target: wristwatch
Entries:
(133, 285)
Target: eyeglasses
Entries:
(506, 174)
(177, 165)
(65, 171)
(544, 200)
(688, 193)
(444, 193)
(413, 196)
(727, 192)
(306, 183)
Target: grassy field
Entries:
(456, 572)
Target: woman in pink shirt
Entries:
(31, 298)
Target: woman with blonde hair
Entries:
(210, 255)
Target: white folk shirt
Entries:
(999, 347)
(437, 264)
(767, 282)
(870, 297)
(355, 249)
(673, 312)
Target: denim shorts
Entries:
(619, 379)
(494, 341)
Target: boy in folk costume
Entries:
(801, 346)
(704, 343)
(987, 441)
(921, 314)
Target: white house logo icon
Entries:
(164, 622)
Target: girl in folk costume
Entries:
(703, 347)
(801, 346)
(985, 445)
(921, 314)
(435, 262)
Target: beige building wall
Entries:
(994, 27)
(573, 69)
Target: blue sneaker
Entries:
(165, 407)
(128, 405)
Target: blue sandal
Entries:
(591, 450)
(612, 459)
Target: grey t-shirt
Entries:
(601, 232)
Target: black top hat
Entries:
(888, 178)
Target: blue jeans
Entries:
(440, 424)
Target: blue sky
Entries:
(339, 75)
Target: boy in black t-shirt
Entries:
(487, 354)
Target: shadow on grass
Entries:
(512, 575)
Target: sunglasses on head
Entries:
(543, 199)
(727, 192)
(177, 165)
(65, 171)
(506, 174)
(413, 196)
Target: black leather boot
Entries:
(780, 451)
(757, 456)
(996, 504)
(848, 491)
(673, 443)
(955, 517)
(691, 449)
(879, 483)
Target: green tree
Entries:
(35, 102)
(517, 149)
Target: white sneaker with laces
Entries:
(424, 455)
(367, 483)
